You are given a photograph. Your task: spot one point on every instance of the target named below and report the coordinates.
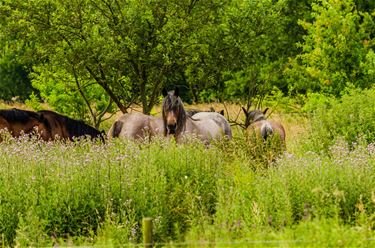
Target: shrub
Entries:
(351, 117)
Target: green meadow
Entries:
(240, 193)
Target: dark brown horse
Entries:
(206, 126)
(256, 120)
(18, 122)
(63, 127)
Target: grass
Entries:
(240, 193)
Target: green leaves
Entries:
(334, 48)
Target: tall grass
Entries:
(318, 190)
(62, 190)
(91, 193)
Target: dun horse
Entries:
(206, 126)
(256, 119)
(19, 122)
(191, 112)
(63, 127)
(136, 126)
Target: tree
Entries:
(335, 49)
(14, 81)
(255, 37)
(129, 48)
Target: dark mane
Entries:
(18, 115)
(171, 102)
(75, 128)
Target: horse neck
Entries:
(77, 128)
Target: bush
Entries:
(351, 117)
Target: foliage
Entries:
(254, 33)
(337, 51)
(14, 82)
(351, 117)
(129, 48)
(77, 97)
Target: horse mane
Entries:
(170, 102)
(18, 115)
(75, 128)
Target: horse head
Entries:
(174, 114)
(253, 116)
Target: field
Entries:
(239, 193)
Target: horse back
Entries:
(211, 121)
(56, 125)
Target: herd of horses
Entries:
(48, 125)
(175, 122)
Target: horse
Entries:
(218, 118)
(178, 124)
(65, 128)
(191, 112)
(136, 126)
(256, 119)
(18, 122)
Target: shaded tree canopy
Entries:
(90, 57)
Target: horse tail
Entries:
(116, 130)
(266, 130)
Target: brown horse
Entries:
(256, 120)
(179, 124)
(18, 122)
(136, 126)
(65, 128)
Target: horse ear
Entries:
(221, 112)
(245, 111)
(164, 92)
(265, 111)
(177, 92)
(212, 109)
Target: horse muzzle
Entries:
(172, 128)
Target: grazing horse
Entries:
(65, 128)
(136, 126)
(19, 122)
(179, 124)
(257, 120)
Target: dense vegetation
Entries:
(312, 61)
(236, 192)
(86, 58)
(319, 192)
